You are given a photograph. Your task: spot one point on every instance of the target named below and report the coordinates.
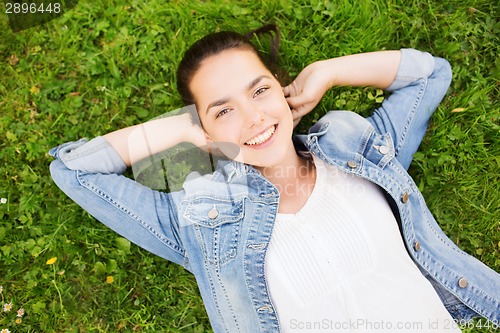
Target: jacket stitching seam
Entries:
(104, 196)
(411, 115)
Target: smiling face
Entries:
(241, 103)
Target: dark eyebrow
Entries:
(216, 103)
(252, 84)
(256, 81)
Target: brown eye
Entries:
(221, 113)
(260, 91)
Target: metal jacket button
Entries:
(462, 283)
(383, 150)
(352, 164)
(416, 246)
(405, 197)
(213, 213)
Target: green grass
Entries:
(110, 64)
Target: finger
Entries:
(290, 102)
(295, 101)
(286, 90)
(301, 110)
(296, 122)
(291, 89)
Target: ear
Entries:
(207, 136)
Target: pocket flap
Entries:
(211, 212)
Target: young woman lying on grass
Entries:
(325, 228)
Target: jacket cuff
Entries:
(414, 65)
(94, 156)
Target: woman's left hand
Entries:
(374, 69)
(306, 91)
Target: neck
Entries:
(291, 174)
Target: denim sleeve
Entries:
(92, 156)
(420, 84)
(89, 173)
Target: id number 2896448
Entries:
(32, 8)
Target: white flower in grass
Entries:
(3, 201)
(7, 307)
(5, 331)
(20, 312)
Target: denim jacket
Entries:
(218, 226)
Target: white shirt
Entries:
(340, 265)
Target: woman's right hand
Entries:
(193, 133)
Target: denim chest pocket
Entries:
(380, 149)
(217, 223)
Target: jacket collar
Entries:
(338, 137)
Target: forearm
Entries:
(114, 152)
(374, 69)
(140, 141)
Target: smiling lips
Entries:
(260, 139)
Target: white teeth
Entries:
(261, 138)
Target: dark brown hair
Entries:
(218, 42)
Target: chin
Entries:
(270, 158)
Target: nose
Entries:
(252, 115)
